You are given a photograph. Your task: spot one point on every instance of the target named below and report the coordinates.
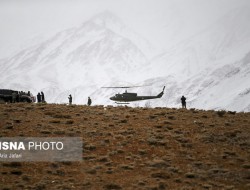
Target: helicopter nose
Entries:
(111, 98)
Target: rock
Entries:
(112, 186)
(161, 175)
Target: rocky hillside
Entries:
(131, 148)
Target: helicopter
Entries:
(130, 97)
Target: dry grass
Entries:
(132, 148)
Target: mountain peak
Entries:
(107, 19)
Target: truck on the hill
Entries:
(6, 95)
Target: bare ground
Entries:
(131, 148)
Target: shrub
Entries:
(221, 113)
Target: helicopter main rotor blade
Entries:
(117, 87)
(121, 86)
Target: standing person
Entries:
(70, 99)
(38, 97)
(89, 101)
(183, 102)
(42, 97)
(13, 97)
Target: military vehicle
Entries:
(7, 94)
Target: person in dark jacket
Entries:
(183, 102)
(70, 99)
(38, 97)
(89, 101)
(42, 97)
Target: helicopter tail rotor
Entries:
(161, 94)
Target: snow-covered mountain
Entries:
(93, 54)
(211, 68)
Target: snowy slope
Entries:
(226, 40)
(212, 69)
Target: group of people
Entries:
(70, 100)
(40, 97)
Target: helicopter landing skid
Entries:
(121, 102)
